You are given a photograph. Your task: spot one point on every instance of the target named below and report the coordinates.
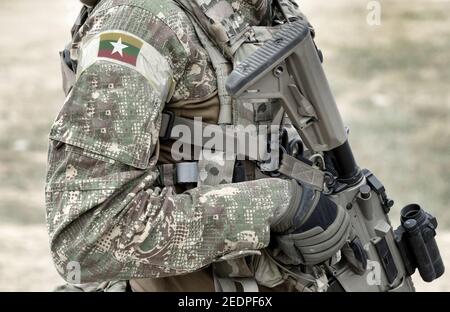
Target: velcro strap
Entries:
(302, 172)
(181, 173)
(187, 172)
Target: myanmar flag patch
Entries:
(120, 47)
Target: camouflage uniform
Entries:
(105, 209)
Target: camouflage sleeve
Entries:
(103, 210)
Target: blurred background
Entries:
(392, 83)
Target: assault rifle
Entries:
(288, 68)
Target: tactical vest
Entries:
(228, 42)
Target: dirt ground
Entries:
(391, 82)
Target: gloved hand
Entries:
(312, 229)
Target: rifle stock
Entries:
(288, 68)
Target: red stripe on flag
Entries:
(126, 58)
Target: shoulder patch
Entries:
(120, 47)
(126, 49)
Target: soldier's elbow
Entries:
(74, 263)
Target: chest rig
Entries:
(230, 36)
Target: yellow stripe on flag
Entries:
(125, 39)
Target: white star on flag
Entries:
(118, 47)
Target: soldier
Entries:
(120, 206)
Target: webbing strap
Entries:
(222, 68)
(231, 284)
(216, 168)
(167, 175)
(290, 166)
(167, 122)
(224, 284)
(68, 75)
(302, 172)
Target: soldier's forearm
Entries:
(133, 230)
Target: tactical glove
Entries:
(312, 230)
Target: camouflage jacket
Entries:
(104, 210)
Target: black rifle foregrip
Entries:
(272, 52)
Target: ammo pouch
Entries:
(415, 238)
